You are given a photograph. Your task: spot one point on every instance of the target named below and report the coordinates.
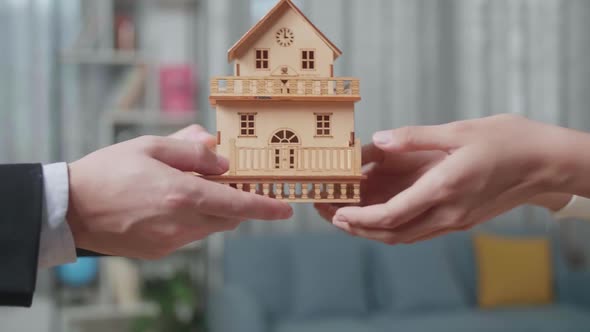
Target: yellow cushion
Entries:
(513, 271)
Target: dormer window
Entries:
(308, 59)
(262, 59)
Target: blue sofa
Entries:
(334, 282)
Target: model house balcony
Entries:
(284, 88)
(294, 173)
(295, 160)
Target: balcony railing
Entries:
(295, 160)
(287, 86)
(326, 190)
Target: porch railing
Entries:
(288, 86)
(307, 160)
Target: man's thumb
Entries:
(419, 138)
(195, 133)
(186, 156)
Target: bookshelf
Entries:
(120, 59)
(130, 70)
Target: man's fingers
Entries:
(184, 155)
(197, 134)
(212, 224)
(221, 200)
(421, 138)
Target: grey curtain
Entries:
(27, 102)
(31, 33)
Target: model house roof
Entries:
(260, 28)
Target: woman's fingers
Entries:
(372, 154)
(425, 227)
(382, 235)
(326, 211)
(419, 138)
(403, 207)
(440, 233)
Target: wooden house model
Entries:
(284, 121)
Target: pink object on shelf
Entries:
(177, 88)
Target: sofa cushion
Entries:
(342, 324)
(460, 252)
(261, 266)
(466, 320)
(562, 318)
(526, 319)
(513, 271)
(235, 309)
(328, 277)
(421, 277)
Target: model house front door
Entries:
(284, 144)
(284, 158)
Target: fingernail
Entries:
(289, 212)
(341, 226)
(340, 219)
(202, 137)
(382, 138)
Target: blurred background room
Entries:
(77, 75)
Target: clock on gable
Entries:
(285, 37)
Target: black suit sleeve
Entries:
(21, 206)
(87, 253)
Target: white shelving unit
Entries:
(73, 319)
(104, 57)
(167, 33)
(111, 121)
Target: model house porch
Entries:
(286, 170)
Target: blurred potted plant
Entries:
(178, 301)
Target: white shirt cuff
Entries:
(578, 207)
(57, 245)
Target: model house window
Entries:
(322, 125)
(247, 124)
(308, 59)
(261, 59)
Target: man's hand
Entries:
(429, 181)
(135, 199)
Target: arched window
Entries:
(284, 136)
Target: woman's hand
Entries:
(388, 174)
(428, 181)
(136, 199)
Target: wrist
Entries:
(559, 159)
(72, 215)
